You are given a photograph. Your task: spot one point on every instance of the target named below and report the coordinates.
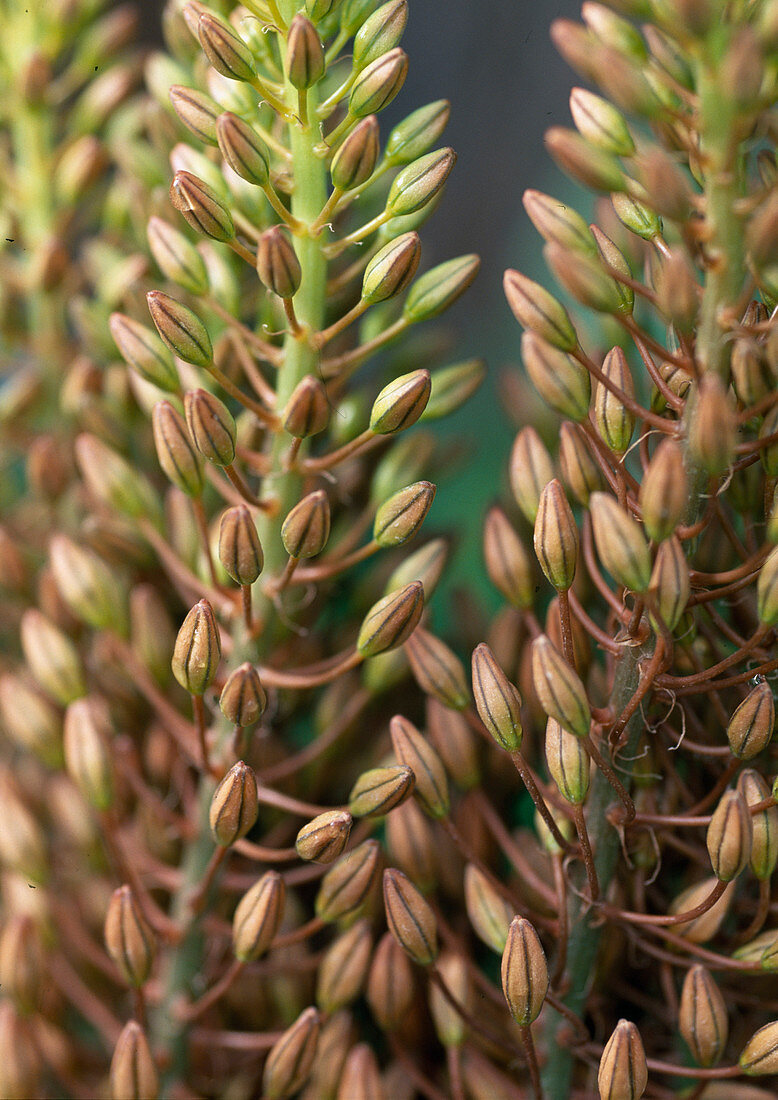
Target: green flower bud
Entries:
(410, 918)
(390, 984)
(30, 720)
(601, 123)
(304, 53)
(439, 288)
(488, 912)
(356, 157)
(228, 54)
(664, 490)
(764, 825)
(568, 763)
(639, 219)
(665, 185)
(401, 403)
(391, 269)
(145, 352)
(417, 133)
(751, 726)
(89, 588)
(211, 426)
(307, 527)
(197, 111)
(176, 258)
(380, 33)
(112, 481)
(378, 791)
(240, 551)
(535, 309)
(556, 537)
(623, 1072)
(678, 292)
(243, 699)
(175, 450)
(621, 545)
(559, 689)
(197, 650)
(507, 562)
(437, 670)
(415, 752)
(86, 733)
(277, 264)
(730, 836)
(201, 207)
(128, 937)
(496, 699)
(378, 83)
(258, 917)
(243, 149)
(419, 182)
(51, 658)
(234, 806)
(323, 839)
(524, 972)
(181, 329)
(424, 565)
(346, 887)
(555, 221)
(399, 518)
(595, 168)
(391, 621)
(559, 379)
(452, 386)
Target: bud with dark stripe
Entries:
(176, 257)
(356, 158)
(128, 937)
(419, 182)
(712, 426)
(133, 1073)
(258, 917)
(307, 527)
(145, 352)
(437, 289)
(664, 490)
(240, 551)
(390, 985)
(530, 469)
(556, 537)
(228, 53)
(751, 726)
(198, 650)
(669, 588)
(507, 562)
(51, 657)
(524, 972)
(307, 410)
(702, 1018)
(234, 806)
(760, 1054)
(417, 133)
(415, 752)
(580, 472)
(201, 207)
(378, 84)
(86, 742)
(401, 403)
(277, 264)
(621, 544)
(197, 111)
(497, 701)
(181, 329)
(615, 422)
(730, 836)
(764, 825)
(568, 763)
(177, 455)
(323, 839)
(304, 53)
(243, 149)
(391, 269)
(410, 918)
(559, 689)
(380, 32)
(291, 1059)
(211, 426)
(437, 669)
(488, 911)
(392, 620)
(623, 1073)
(243, 699)
(347, 886)
(560, 380)
(343, 968)
(538, 311)
(399, 518)
(378, 791)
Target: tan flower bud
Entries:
(176, 257)
(304, 53)
(538, 311)
(424, 565)
(410, 918)
(234, 806)
(614, 421)
(767, 590)
(450, 1027)
(228, 54)
(307, 527)
(356, 158)
(437, 669)
(347, 886)
(128, 937)
(497, 701)
(243, 149)
(307, 410)
(702, 1018)
(712, 426)
(198, 650)
(559, 689)
(378, 83)
(335, 1039)
(524, 972)
(664, 490)
(183, 332)
(729, 836)
(51, 658)
(343, 968)
(560, 380)
(677, 291)
(323, 839)
(417, 133)
(411, 844)
(760, 1054)
(391, 269)
(703, 928)
(556, 221)
(595, 168)
(601, 123)
(22, 962)
(507, 562)
(568, 763)
(89, 588)
(133, 1073)
(112, 481)
(390, 985)
(751, 726)
(86, 740)
(450, 733)
(197, 111)
(291, 1059)
(176, 453)
(361, 1077)
(489, 913)
(764, 825)
(556, 537)
(79, 167)
(243, 699)
(669, 588)
(379, 790)
(621, 545)
(401, 403)
(392, 620)
(623, 1074)
(530, 470)
(666, 188)
(258, 917)
(151, 630)
(211, 426)
(580, 472)
(587, 280)
(240, 551)
(399, 518)
(416, 753)
(380, 32)
(419, 182)
(277, 264)
(201, 207)
(30, 720)
(145, 352)
(437, 289)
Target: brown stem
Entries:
(532, 1061)
(760, 916)
(246, 493)
(586, 851)
(613, 779)
(566, 628)
(512, 850)
(454, 1064)
(362, 442)
(540, 804)
(462, 1012)
(205, 542)
(666, 921)
(299, 678)
(420, 1080)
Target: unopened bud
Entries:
(181, 329)
(128, 937)
(568, 763)
(176, 453)
(133, 1073)
(258, 917)
(751, 726)
(437, 669)
(560, 380)
(623, 1073)
(243, 699)
(291, 1059)
(601, 123)
(228, 54)
(323, 839)
(378, 791)
(702, 1018)
(636, 217)
(417, 133)
(277, 264)
(712, 426)
(488, 911)
(497, 701)
(88, 586)
(530, 469)
(452, 386)
(378, 83)
(22, 962)
(664, 490)
(767, 590)
(399, 518)
(112, 481)
(401, 403)
(507, 562)
(559, 688)
(234, 806)
(345, 888)
(211, 426)
(86, 735)
(391, 269)
(79, 168)
(556, 537)
(343, 968)
(145, 352)
(580, 472)
(51, 658)
(538, 311)
(390, 984)
(419, 182)
(666, 188)
(412, 750)
(392, 620)
(590, 165)
(764, 825)
(703, 928)
(380, 33)
(240, 551)
(176, 257)
(729, 836)
(410, 918)
(30, 720)
(356, 158)
(304, 53)
(556, 221)
(677, 291)
(307, 527)
(615, 422)
(760, 1054)
(451, 734)
(586, 279)
(450, 1027)
(424, 565)
(621, 544)
(201, 207)
(524, 972)
(437, 289)
(307, 410)
(669, 588)
(197, 111)
(197, 650)
(243, 149)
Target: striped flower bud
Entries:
(361, 1076)
(560, 380)
(323, 839)
(112, 481)
(623, 1074)
(128, 937)
(614, 421)
(292, 1057)
(601, 123)
(417, 133)
(390, 984)
(304, 53)
(580, 473)
(30, 720)
(497, 701)
(356, 157)
(258, 917)
(437, 669)
(621, 544)
(377, 791)
(556, 537)
(585, 278)
(639, 219)
(664, 183)
(234, 806)
(240, 551)
(452, 386)
(243, 149)
(211, 426)
(399, 518)
(703, 928)
(538, 311)
(702, 1018)
(767, 590)
(88, 586)
(197, 111)
(530, 469)
(729, 836)
(307, 527)
(22, 962)
(764, 825)
(595, 168)
(197, 650)
(380, 33)
(669, 588)
(760, 1054)
(424, 565)
(664, 490)
(176, 257)
(243, 699)
(507, 562)
(133, 1073)
(86, 738)
(451, 1029)
(145, 352)
(568, 763)
(201, 207)
(343, 968)
(51, 658)
(487, 910)
(183, 332)
(410, 918)
(558, 688)
(391, 269)
(437, 289)
(175, 451)
(524, 972)
(556, 221)
(391, 621)
(277, 264)
(346, 887)
(751, 726)
(308, 409)
(419, 182)
(401, 403)
(412, 750)
(228, 54)
(378, 83)
(712, 427)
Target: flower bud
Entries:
(412, 750)
(234, 806)
(764, 825)
(307, 527)
(133, 1073)
(197, 111)
(87, 585)
(197, 650)
(30, 720)
(228, 54)
(451, 1029)
(524, 972)
(702, 1018)
(243, 699)
(677, 291)
(356, 157)
(211, 426)
(620, 543)
(636, 217)
(401, 403)
(323, 839)
(175, 451)
(450, 733)
(304, 53)
(390, 985)
(378, 83)
(585, 278)
(729, 836)
(751, 726)
(769, 452)
(258, 917)
(201, 207)
(767, 590)
(399, 518)
(145, 352)
(391, 269)
(615, 422)
(410, 918)
(419, 182)
(86, 737)
(424, 565)
(669, 588)
(346, 887)
(580, 472)
(437, 669)
(417, 133)
(530, 470)
(112, 481)
(176, 258)
(308, 410)
(664, 490)
(556, 537)
(712, 426)
(601, 123)
(181, 329)
(595, 168)
(240, 551)
(243, 149)
(560, 380)
(760, 1054)
(380, 33)
(497, 701)
(538, 311)
(378, 791)
(277, 264)
(507, 562)
(51, 658)
(343, 968)
(623, 1073)
(666, 188)
(555, 221)
(291, 1059)
(392, 620)
(22, 962)
(487, 910)
(128, 937)
(559, 689)
(452, 386)
(437, 289)
(568, 763)
(703, 928)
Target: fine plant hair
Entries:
(264, 830)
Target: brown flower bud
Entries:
(559, 689)
(378, 83)
(615, 422)
(760, 1054)
(703, 928)
(176, 257)
(151, 630)
(240, 551)
(211, 426)
(258, 917)
(587, 280)
(751, 726)
(767, 590)
(228, 54)
(181, 329)
(243, 149)
(702, 1019)
(307, 410)
(677, 291)
(30, 720)
(390, 986)
(291, 1059)
(595, 168)
(556, 537)
(729, 836)
(530, 470)
(411, 844)
(357, 156)
(307, 527)
(623, 1074)
(392, 620)
(415, 752)
(664, 490)
(497, 701)
(86, 739)
(379, 790)
(580, 472)
(488, 912)
(343, 968)
(669, 588)
(133, 1073)
(507, 562)
(410, 918)
(450, 1027)
(198, 650)
(437, 669)
(243, 699)
(176, 453)
(556, 221)
(666, 189)
(560, 380)
(51, 658)
(335, 1039)
(346, 887)
(201, 207)
(712, 426)
(524, 972)
(764, 825)
(323, 839)
(568, 763)
(621, 545)
(197, 111)
(456, 743)
(22, 963)
(391, 269)
(112, 481)
(90, 589)
(277, 264)
(234, 806)
(128, 937)
(399, 518)
(361, 1077)
(304, 53)
(539, 312)
(144, 351)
